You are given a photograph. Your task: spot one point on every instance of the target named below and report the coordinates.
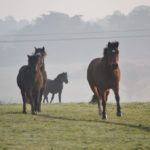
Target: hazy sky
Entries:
(90, 9)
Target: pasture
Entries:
(75, 127)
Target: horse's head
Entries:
(64, 77)
(111, 54)
(34, 62)
(40, 51)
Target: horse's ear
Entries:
(43, 48)
(116, 44)
(109, 45)
(105, 52)
(35, 48)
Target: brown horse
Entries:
(30, 82)
(41, 51)
(103, 74)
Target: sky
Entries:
(90, 9)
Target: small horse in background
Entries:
(103, 74)
(30, 82)
(41, 51)
(55, 86)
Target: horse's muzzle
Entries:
(66, 81)
(114, 66)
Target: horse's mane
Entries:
(58, 76)
(105, 52)
(110, 46)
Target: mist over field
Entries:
(71, 43)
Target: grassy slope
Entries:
(75, 127)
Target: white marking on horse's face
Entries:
(113, 51)
(39, 54)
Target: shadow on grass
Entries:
(141, 127)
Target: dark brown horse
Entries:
(103, 74)
(30, 82)
(41, 51)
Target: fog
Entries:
(71, 43)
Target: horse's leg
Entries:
(47, 98)
(117, 97)
(38, 99)
(32, 101)
(40, 93)
(96, 92)
(104, 99)
(24, 101)
(35, 101)
(93, 100)
(44, 99)
(44, 94)
(107, 93)
(52, 98)
(59, 96)
(94, 96)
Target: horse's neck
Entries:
(104, 62)
(38, 78)
(31, 74)
(107, 69)
(43, 67)
(59, 81)
(30, 70)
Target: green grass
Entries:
(75, 127)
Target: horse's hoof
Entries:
(104, 117)
(119, 114)
(34, 113)
(100, 113)
(24, 112)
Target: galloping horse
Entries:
(55, 86)
(41, 51)
(103, 74)
(30, 82)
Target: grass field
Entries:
(75, 127)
